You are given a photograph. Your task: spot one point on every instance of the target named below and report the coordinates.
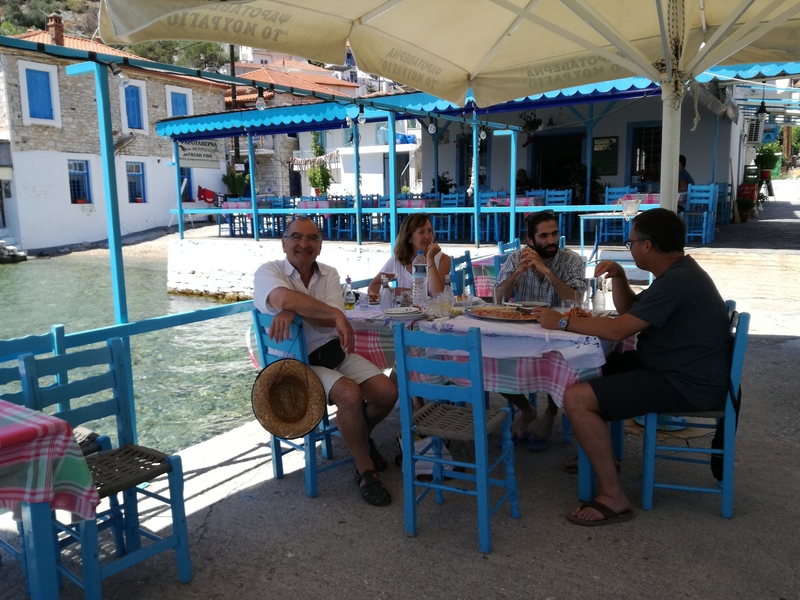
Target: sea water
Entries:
(190, 382)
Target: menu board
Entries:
(604, 155)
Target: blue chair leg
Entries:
(327, 445)
(727, 467)
(90, 559)
(310, 450)
(277, 456)
(648, 460)
(585, 477)
(42, 581)
(179, 520)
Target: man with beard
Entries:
(540, 272)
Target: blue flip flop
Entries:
(498, 442)
(537, 445)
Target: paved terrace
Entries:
(254, 537)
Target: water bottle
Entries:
(386, 297)
(448, 299)
(598, 297)
(349, 296)
(419, 268)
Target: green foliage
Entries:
(445, 183)
(236, 182)
(202, 55)
(77, 6)
(530, 122)
(163, 52)
(34, 14)
(795, 141)
(575, 176)
(768, 155)
(745, 204)
(316, 144)
(405, 190)
(319, 177)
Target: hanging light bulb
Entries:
(260, 102)
(121, 77)
(761, 114)
(482, 134)
(431, 128)
(361, 118)
(348, 121)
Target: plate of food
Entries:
(403, 313)
(501, 313)
(467, 301)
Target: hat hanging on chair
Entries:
(288, 398)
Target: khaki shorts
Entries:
(354, 367)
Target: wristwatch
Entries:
(562, 324)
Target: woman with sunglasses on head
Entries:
(416, 233)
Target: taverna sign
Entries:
(200, 154)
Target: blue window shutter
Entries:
(40, 102)
(133, 107)
(179, 108)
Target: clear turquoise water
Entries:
(191, 382)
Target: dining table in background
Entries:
(42, 469)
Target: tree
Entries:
(34, 16)
(202, 55)
(319, 176)
(163, 51)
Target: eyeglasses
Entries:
(299, 237)
(630, 243)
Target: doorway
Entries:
(401, 166)
(554, 156)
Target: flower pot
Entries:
(81, 201)
(765, 174)
(744, 215)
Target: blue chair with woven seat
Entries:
(122, 470)
(446, 381)
(740, 324)
(700, 215)
(461, 274)
(561, 198)
(295, 347)
(611, 230)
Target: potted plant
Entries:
(236, 182)
(319, 178)
(767, 157)
(81, 201)
(445, 183)
(530, 122)
(744, 206)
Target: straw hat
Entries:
(288, 398)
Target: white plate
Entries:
(468, 303)
(402, 311)
(526, 303)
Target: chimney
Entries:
(55, 26)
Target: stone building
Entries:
(53, 187)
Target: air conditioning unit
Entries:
(753, 132)
(267, 189)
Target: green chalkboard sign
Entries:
(604, 155)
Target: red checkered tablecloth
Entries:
(315, 204)
(411, 203)
(40, 461)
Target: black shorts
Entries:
(626, 390)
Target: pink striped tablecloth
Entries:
(412, 203)
(522, 201)
(40, 461)
(485, 277)
(642, 198)
(315, 204)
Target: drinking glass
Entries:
(498, 300)
(363, 301)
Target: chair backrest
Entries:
(740, 327)
(499, 261)
(462, 263)
(98, 393)
(438, 374)
(449, 200)
(536, 193)
(509, 247)
(701, 196)
(269, 350)
(558, 197)
(613, 194)
(12, 349)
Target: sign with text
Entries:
(200, 154)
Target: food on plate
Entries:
(462, 297)
(374, 298)
(503, 313)
(577, 311)
(456, 312)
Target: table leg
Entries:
(40, 550)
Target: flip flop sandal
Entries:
(538, 445)
(498, 442)
(381, 464)
(372, 491)
(610, 516)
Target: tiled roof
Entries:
(296, 65)
(296, 80)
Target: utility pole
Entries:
(233, 102)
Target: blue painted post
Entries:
(714, 156)
(476, 195)
(512, 225)
(177, 155)
(435, 139)
(589, 150)
(392, 177)
(109, 183)
(357, 173)
(251, 157)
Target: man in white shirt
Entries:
(363, 395)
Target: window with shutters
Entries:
(136, 191)
(186, 188)
(133, 100)
(80, 191)
(179, 101)
(38, 87)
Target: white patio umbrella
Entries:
(502, 49)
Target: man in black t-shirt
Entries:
(682, 363)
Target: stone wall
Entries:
(3, 97)
(273, 169)
(224, 268)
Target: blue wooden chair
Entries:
(296, 348)
(700, 215)
(561, 198)
(447, 225)
(379, 222)
(611, 230)
(445, 381)
(740, 324)
(122, 470)
(724, 191)
(461, 274)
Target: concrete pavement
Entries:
(256, 537)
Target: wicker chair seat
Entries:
(452, 422)
(123, 468)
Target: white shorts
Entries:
(354, 367)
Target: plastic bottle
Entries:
(386, 297)
(598, 297)
(419, 268)
(349, 296)
(448, 299)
